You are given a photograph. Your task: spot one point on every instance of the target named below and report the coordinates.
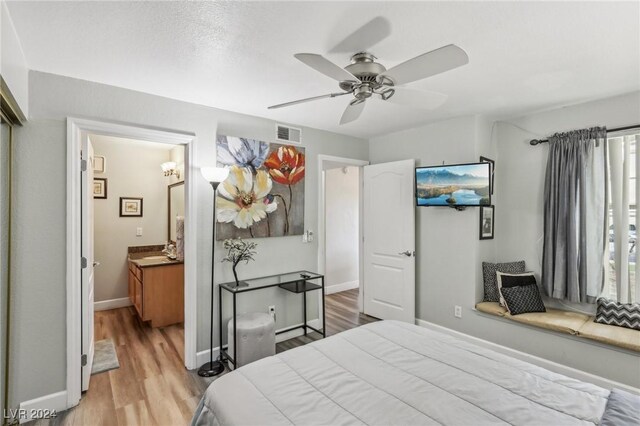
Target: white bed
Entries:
(392, 373)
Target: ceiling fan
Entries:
(365, 77)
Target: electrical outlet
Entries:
(457, 311)
(309, 236)
(272, 312)
(138, 232)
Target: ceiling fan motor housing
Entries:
(366, 69)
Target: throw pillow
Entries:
(513, 280)
(523, 299)
(491, 293)
(620, 314)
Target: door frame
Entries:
(322, 236)
(77, 130)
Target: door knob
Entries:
(407, 253)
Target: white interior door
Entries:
(87, 254)
(389, 241)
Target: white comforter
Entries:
(392, 373)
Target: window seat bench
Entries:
(573, 323)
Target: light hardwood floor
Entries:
(152, 387)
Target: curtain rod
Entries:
(535, 142)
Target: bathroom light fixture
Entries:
(214, 175)
(170, 169)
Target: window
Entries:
(621, 252)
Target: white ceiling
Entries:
(524, 56)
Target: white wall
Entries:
(41, 216)
(13, 65)
(133, 170)
(449, 253)
(341, 228)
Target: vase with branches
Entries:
(238, 250)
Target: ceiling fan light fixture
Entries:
(362, 92)
(386, 94)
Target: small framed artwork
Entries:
(99, 164)
(487, 217)
(100, 188)
(130, 207)
(493, 169)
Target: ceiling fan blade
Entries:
(419, 99)
(352, 112)
(325, 66)
(431, 63)
(368, 35)
(300, 101)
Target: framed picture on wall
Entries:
(493, 169)
(487, 218)
(130, 207)
(100, 188)
(99, 164)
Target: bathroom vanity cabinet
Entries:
(156, 290)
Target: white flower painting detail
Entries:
(243, 152)
(243, 198)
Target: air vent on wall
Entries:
(288, 134)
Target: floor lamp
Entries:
(214, 175)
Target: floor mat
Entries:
(104, 357)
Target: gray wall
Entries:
(41, 217)
(133, 170)
(13, 65)
(449, 253)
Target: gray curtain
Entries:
(575, 211)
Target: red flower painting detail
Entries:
(286, 165)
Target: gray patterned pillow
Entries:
(491, 293)
(522, 299)
(620, 314)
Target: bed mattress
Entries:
(393, 373)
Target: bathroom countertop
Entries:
(145, 259)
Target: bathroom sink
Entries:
(156, 258)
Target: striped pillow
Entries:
(620, 314)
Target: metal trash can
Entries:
(256, 337)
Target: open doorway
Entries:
(132, 287)
(340, 227)
(134, 238)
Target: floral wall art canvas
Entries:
(264, 193)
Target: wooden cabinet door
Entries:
(138, 297)
(132, 286)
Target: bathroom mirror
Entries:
(176, 208)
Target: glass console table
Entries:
(300, 282)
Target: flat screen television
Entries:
(454, 185)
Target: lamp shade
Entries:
(214, 174)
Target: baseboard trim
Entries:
(105, 305)
(523, 356)
(203, 356)
(336, 288)
(42, 407)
